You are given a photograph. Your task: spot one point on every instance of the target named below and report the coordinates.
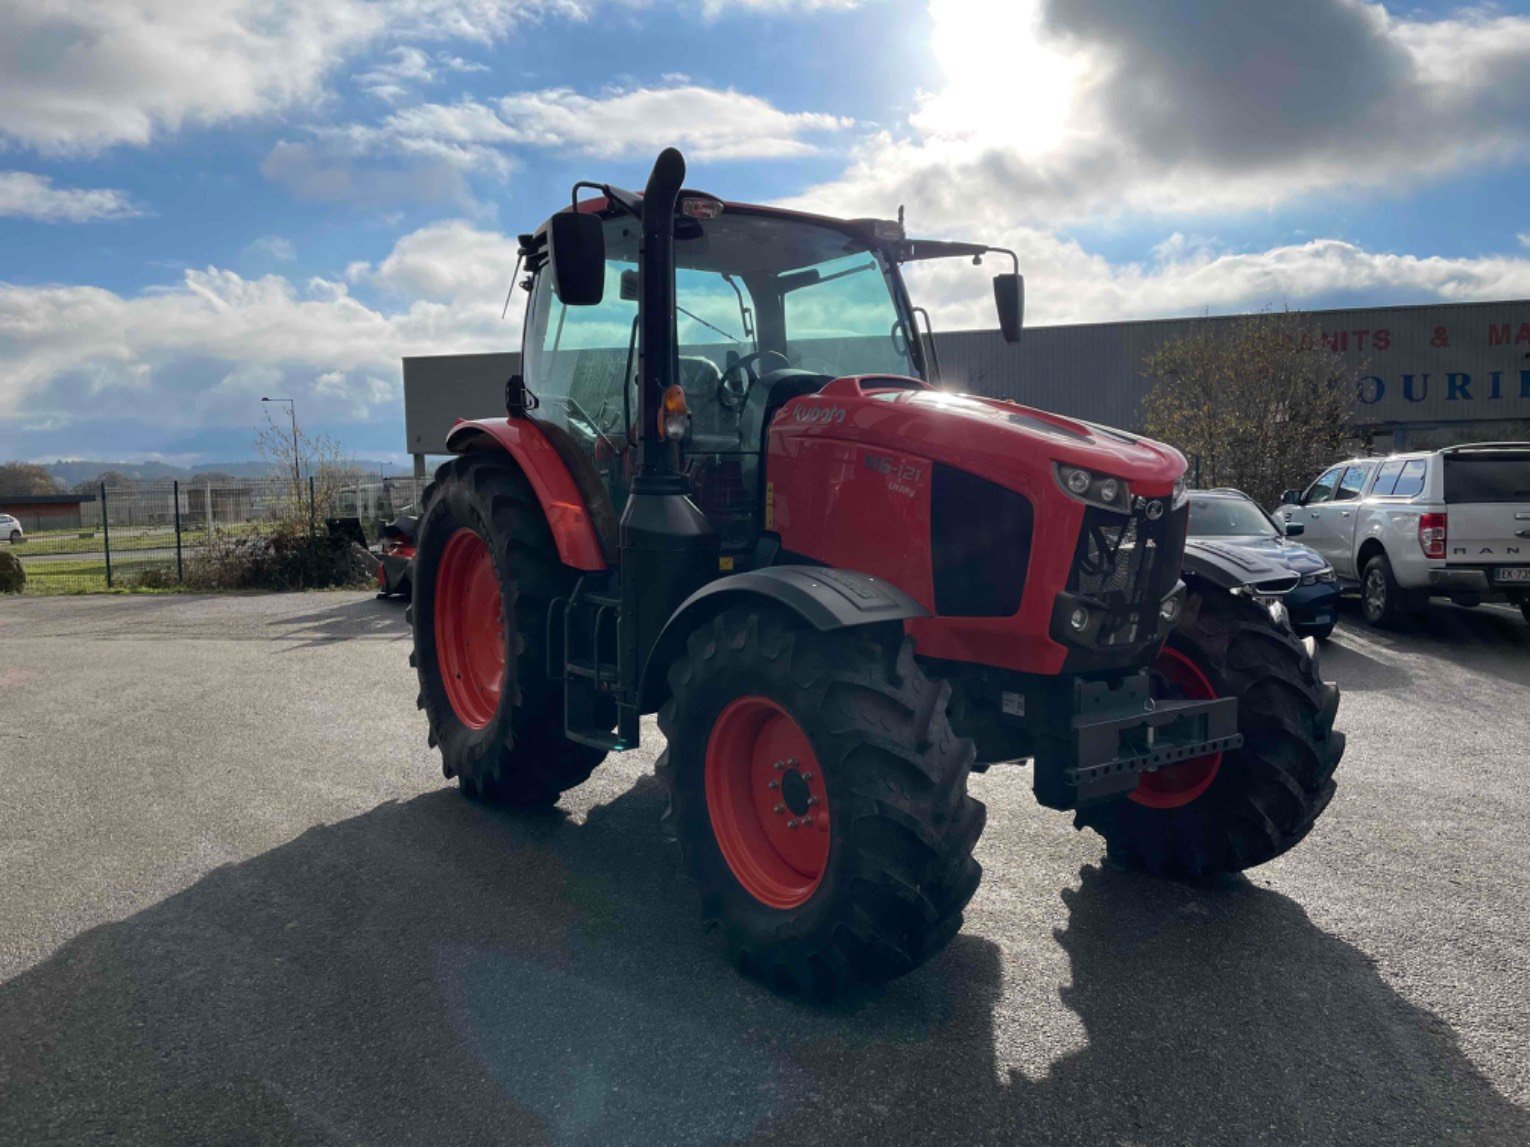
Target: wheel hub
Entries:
(470, 629)
(767, 802)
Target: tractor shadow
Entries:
(434, 971)
(371, 617)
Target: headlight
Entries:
(1324, 575)
(1181, 492)
(1093, 489)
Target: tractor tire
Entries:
(1231, 811)
(485, 572)
(819, 797)
(1383, 602)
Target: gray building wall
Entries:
(1434, 373)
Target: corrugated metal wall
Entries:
(1426, 367)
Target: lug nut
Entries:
(773, 785)
(812, 801)
(791, 824)
(807, 776)
(791, 762)
(807, 822)
(779, 808)
(779, 765)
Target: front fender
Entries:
(824, 598)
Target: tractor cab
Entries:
(769, 305)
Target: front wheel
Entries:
(15, 537)
(820, 799)
(1229, 811)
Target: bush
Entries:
(281, 561)
(13, 575)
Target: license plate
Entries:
(1520, 573)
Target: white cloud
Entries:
(1056, 113)
(427, 151)
(25, 195)
(1067, 284)
(81, 75)
(202, 351)
(273, 247)
(392, 79)
(708, 123)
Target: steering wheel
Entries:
(731, 395)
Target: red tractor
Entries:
(727, 491)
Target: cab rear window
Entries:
(1487, 478)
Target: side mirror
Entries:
(1009, 295)
(576, 251)
(1291, 498)
(1295, 529)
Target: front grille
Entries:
(1127, 565)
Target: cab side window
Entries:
(1322, 489)
(1386, 481)
(1410, 483)
(1351, 484)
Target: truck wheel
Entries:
(1382, 600)
(1524, 607)
(1230, 811)
(820, 799)
(485, 571)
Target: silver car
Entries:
(1443, 523)
(11, 531)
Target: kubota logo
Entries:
(822, 415)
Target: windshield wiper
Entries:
(706, 324)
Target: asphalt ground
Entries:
(240, 904)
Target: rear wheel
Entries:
(1231, 811)
(485, 572)
(15, 537)
(820, 799)
(1382, 600)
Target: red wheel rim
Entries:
(470, 629)
(767, 802)
(1177, 785)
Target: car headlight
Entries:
(1323, 576)
(1093, 489)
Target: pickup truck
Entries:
(1449, 523)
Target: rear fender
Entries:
(573, 526)
(827, 599)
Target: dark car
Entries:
(1229, 520)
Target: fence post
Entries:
(175, 497)
(106, 536)
(207, 505)
(313, 521)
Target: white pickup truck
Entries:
(1446, 523)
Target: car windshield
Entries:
(1227, 518)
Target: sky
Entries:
(203, 203)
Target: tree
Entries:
(21, 478)
(1264, 402)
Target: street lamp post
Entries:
(297, 474)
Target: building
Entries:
(40, 512)
(1433, 374)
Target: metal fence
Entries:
(152, 534)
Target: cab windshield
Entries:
(766, 309)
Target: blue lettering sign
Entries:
(1423, 391)
(1458, 385)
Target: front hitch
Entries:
(1096, 737)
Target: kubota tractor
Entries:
(727, 491)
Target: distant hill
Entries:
(71, 473)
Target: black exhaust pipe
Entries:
(668, 548)
(658, 362)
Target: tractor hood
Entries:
(992, 437)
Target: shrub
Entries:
(280, 561)
(13, 575)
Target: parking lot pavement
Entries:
(240, 903)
